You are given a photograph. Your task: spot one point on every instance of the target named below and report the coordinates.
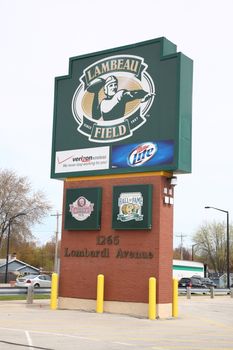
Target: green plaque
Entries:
(132, 207)
(83, 208)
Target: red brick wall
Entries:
(126, 279)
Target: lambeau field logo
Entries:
(113, 98)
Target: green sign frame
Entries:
(124, 110)
(132, 207)
(83, 208)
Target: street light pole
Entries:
(228, 242)
(8, 243)
(228, 252)
(194, 245)
(7, 251)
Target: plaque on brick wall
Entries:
(83, 208)
(132, 207)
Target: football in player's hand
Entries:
(96, 86)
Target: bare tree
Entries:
(211, 245)
(185, 255)
(19, 205)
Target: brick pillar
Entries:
(127, 258)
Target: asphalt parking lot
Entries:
(203, 323)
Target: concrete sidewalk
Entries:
(203, 323)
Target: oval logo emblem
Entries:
(113, 98)
(142, 154)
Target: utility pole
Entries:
(181, 236)
(56, 242)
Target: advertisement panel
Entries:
(132, 207)
(83, 208)
(123, 110)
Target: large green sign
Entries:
(124, 110)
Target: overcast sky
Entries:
(37, 39)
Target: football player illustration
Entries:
(113, 105)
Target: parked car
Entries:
(34, 280)
(207, 281)
(193, 282)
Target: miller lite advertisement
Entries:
(124, 110)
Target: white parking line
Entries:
(48, 333)
(29, 339)
(120, 343)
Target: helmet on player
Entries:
(111, 85)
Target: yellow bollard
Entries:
(152, 298)
(100, 294)
(54, 291)
(175, 298)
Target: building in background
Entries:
(15, 268)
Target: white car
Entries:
(34, 280)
